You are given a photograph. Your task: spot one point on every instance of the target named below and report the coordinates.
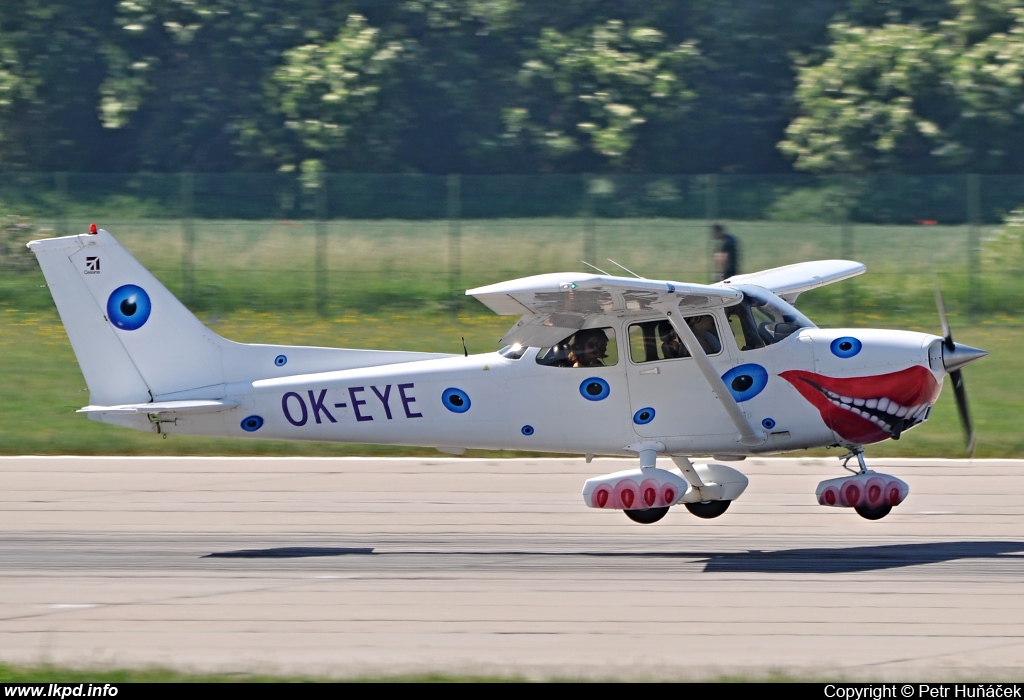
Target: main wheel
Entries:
(708, 509)
(873, 513)
(646, 517)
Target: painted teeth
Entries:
(883, 412)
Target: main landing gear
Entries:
(871, 494)
(646, 494)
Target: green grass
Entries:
(398, 284)
(55, 674)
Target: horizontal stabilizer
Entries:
(165, 407)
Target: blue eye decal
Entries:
(252, 424)
(746, 381)
(281, 360)
(768, 423)
(128, 307)
(455, 400)
(643, 416)
(527, 430)
(845, 347)
(595, 389)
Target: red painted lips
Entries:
(869, 409)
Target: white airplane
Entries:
(596, 365)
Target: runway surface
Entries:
(349, 567)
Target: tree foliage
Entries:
(914, 98)
(482, 86)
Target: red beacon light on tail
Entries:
(93, 229)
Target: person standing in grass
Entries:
(727, 253)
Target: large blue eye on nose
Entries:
(128, 307)
(845, 347)
(595, 389)
(455, 400)
(746, 381)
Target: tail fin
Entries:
(137, 344)
(133, 339)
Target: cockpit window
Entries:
(763, 319)
(512, 352)
(590, 347)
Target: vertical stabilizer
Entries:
(133, 339)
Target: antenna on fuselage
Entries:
(625, 268)
(465, 350)
(595, 267)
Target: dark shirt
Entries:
(730, 247)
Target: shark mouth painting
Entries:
(869, 409)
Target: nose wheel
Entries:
(871, 494)
(873, 513)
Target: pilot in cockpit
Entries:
(589, 348)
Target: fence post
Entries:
(320, 255)
(846, 253)
(60, 182)
(589, 224)
(454, 183)
(711, 214)
(973, 262)
(188, 239)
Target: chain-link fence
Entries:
(338, 241)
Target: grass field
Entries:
(391, 285)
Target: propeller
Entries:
(954, 358)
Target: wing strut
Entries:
(749, 435)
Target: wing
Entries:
(790, 281)
(555, 305)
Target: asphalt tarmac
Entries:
(363, 567)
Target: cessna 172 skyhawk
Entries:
(597, 364)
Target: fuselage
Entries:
(816, 387)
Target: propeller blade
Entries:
(947, 334)
(957, 377)
(953, 359)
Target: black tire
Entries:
(646, 517)
(873, 513)
(708, 509)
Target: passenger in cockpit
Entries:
(707, 334)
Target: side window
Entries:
(654, 340)
(706, 331)
(657, 340)
(743, 327)
(590, 347)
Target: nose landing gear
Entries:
(871, 494)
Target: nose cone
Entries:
(960, 356)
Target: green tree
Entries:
(585, 98)
(912, 98)
(51, 65)
(337, 100)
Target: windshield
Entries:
(763, 319)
